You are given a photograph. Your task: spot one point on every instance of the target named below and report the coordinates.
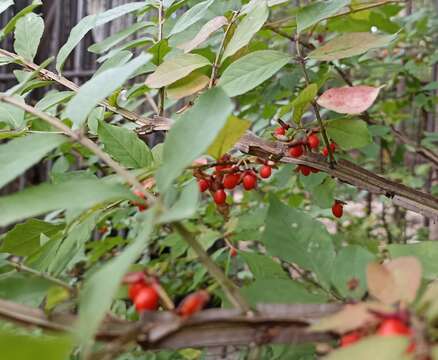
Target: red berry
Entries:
(313, 141)
(231, 180)
(314, 170)
(280, 131)
(249, 181)
(332, 147)
(204, 185)
(134, 289)
(265, 171)
(305, 170)
(193, 303)
(220, 197)
(233, 252)
(350, 338)
(140, 194)
(337, 209)
(296, 151)
(146, 299)
(391, 327)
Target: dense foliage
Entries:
(226, 153)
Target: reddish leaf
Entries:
(349, 99)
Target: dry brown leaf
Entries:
(381, 283)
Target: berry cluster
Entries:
(142, 291)
(391, 326)
(228, 174)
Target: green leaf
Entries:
(90, 22)
(247, 28)
(65, 254)
(174, 69)
(10, 26)
(322, 194)
(191, 16)
(23, 288)
(100, 288)
(28, 33)
(251, 70)
(349, 133)
(113, 40)
(20, 154)
(43, 198)
(303, 100)
(99, 87)
(12, 115)
(200, 125)
(187, 86)
(24, 347)
(426, 252)
(373, 347)
(312, 14)
(263, 266)
(228, 136)
(350, 44)
(296, 237)
(185, 206)
(124, 146)
(279, 291)
(350, 264)
(24, 239)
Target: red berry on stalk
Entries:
(204, 185)
(350, 338)
(265, 171)
(325, 151)
(313, 141)
(337, 209)
(134, 289)
(280, 131)
(231, 180)
(296, 151)
(249, 181)
(146, 299)
(305, 170)
(220, 197)
(193, 303)
(392, 327)
(233, 252)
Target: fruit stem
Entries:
(315, 105)
(230, 289)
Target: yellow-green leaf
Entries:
(189, 85)
(228, 136)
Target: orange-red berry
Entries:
(338, 209)
(249, 181)
(203, 184)
(305, 170)
(296, 151)
(231, 180)
(280, 131)
(134, 289)
(146, 299)
(350, 338)
(391, 327)
(193, 303)
(233, 252)
(313, 141)
(220, 197)
(265, 171)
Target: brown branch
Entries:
(345, 171)
(273, 324)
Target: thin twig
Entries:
(19, 266)
(220, 52)
(162, 91)
(315, 105)
(230, 289)
(80, 138)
